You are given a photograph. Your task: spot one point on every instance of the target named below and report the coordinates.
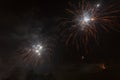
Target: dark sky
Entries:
(21, 20)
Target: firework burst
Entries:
(35, 53)
(85, 19)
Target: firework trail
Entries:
(82, 21)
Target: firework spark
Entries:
(98, 5)
(85, 19)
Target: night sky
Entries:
(22, 21)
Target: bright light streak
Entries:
(86, 19)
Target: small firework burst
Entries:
(35, 53)
(85, 19)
